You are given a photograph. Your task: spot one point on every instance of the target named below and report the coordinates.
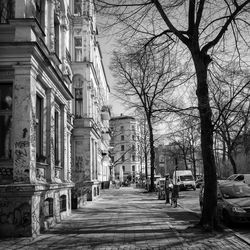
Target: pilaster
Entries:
(50, 132)
(24, 121)
(64, 142)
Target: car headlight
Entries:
(238, 210)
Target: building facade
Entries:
(125, 134)
(169, 158)
(45, 114)
(90, 138)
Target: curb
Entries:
(243, 238)
(238, 235)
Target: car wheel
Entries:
(226, 218)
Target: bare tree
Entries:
(186, 139)
(209, 31)
(144, 77)
(231, 109)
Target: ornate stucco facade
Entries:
(91, 91)
(43, 135)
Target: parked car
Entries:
(160, 185)
(233, 201)
(148, 182)
(240, 177)
(184, 179)
(199, 182)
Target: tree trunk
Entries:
(232, 161)
(152, 153)
(185, 160)
(208, 217)
(146, 164)
(194, 161)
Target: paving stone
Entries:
(128, 218)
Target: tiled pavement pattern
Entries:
(128, 218)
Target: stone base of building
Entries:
(83, 192)
(94, 193)
(105, 185)
(29, 209)
(79, 197)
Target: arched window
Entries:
(48, 207)
(63, 202)
(5, 121)
(7, 10)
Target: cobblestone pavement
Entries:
(128, 218)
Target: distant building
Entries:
(90, 136)
(169, 157)
(125, 148)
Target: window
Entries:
(78, 49)
(78, 103)
(63, 200)
(57, 35)
(133, 147)
(122, 147)
(133, 173)
(5, 121)
(39, 126)
(133, 157)
(133, 137)
(39, 11)
(133, 127)
(122, 137)
(48, 207)
(122, 128)
(123, 169)
(56, 137)
(78, 7)
(7, 10)
(123, 158)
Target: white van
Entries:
(184, 178)
(240, 177)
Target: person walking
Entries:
(167, 188)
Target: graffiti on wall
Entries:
(15, 219)
(21, 161)
(6, 172)
(79, 163)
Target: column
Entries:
(24, 121)
(64, 153)
(51, 27)
(50, 133)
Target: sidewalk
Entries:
(128, 218)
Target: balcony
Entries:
(41, 169)
(86, 122)
(106, 137)
(105, 113)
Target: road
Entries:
(190, 200)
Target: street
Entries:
(129, 218)
(190, 200)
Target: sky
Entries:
(107, 43)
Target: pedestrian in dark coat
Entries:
(167, 188)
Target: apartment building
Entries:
(90, 137)
(125, 157)
(53, 112)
